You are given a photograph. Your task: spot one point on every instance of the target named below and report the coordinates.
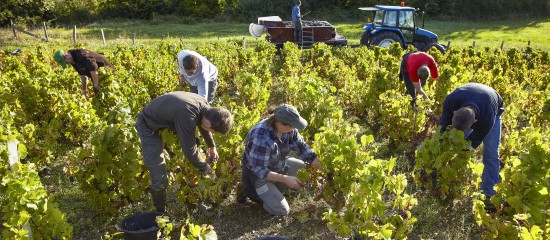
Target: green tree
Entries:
(25, 11)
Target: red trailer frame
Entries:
(279, 32)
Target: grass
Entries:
(514, 33)
(122, 32)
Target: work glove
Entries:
(183, 82)
(469, 148)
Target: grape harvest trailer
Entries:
(278, 32)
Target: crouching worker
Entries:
(181, 112)
(267, 171)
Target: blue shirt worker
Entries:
(267, 171)
(476, 109)
(200, 73)
(297, 20)
(182, 113)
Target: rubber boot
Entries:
(241, 193)
(159, 200)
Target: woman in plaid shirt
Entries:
(267, 172)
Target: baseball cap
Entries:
(59, 57)
(289, 114)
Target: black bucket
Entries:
(141, 226)
(272, 238)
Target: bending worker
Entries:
(181, 112)
(200, 73)
(475, 109)
(416, 68)
(86, 63)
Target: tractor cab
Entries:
(397, 24)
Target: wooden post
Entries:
(13, 28)
(474, 44)
(13, 157)
(74, 34)
(12, 154)
(103, 37)
(244, 42)
(448, 44)
(501, 45)
(133, 38)
(45, 32)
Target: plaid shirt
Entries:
(266, 153)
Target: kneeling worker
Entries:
(267, 171)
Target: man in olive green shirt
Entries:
(181, 112)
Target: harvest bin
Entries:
(141, 226)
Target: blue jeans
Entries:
(298, 31)
(211, 85)
(491, 162)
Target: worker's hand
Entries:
(183, 81)
(469, 148)
(293, 182)
(317, 164)
(208, 170)
(214, 154)
(96, 89)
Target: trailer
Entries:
(279, 32)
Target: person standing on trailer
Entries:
(297, 20)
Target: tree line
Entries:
(70, 11)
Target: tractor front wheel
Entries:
(365, 39)
(385, 39)
(437, 46)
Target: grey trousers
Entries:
(152, 147)
(270, 194)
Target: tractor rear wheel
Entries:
(385, 39)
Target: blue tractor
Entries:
(398, 24)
